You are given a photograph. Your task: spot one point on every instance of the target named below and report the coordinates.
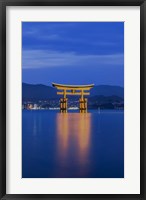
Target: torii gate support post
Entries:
(63, 103)
(83, 103)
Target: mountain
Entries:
(107, 90)
(37, 92)
(105, 99)
(105, 102)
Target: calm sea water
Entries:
(72, 145)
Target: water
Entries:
(72, 145)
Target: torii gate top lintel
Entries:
(71, 87)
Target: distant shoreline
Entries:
(122, 109)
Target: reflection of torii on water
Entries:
(80, 90)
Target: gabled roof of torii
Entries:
(63, 86)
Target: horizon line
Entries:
(69, 84)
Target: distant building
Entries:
(35, 106)
(29, 106)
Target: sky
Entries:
(73, 53)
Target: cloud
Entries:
(34, 33)
(30, 32)
(45, 36)
(58, 32)
(35, 59)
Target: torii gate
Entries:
(80, 90)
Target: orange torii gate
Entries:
(80, 90)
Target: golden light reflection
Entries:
(73, 136)
(84, 133)
(62, 132)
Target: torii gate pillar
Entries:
(83, 105)
(63, 105)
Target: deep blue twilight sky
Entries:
(73, 52)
